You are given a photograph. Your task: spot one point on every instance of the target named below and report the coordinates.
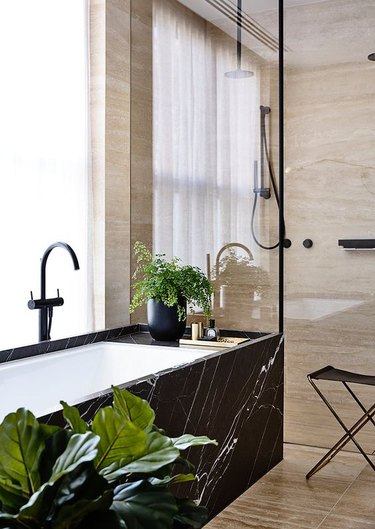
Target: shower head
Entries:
(239, 74)
(264, 110)
(371, 57)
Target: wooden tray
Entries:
(222, 342)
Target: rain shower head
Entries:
(239, 73)
(371, 57)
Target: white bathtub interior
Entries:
(39, 383)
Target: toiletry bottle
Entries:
(194, 331)
(212, 331)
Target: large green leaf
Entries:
(22, 442)
(80, 449)
(7, 521)
(72, 514)
(121, 441)
(36, 510)
(188, 440)
(185, 463)
(55, 445)
(133, 408)
(64, 503)
(11, 496)
(49, 429)
(159, 452)
(142, 506)
(190, 515)
(102, 520)
(73, 418)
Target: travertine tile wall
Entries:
(141, 131)
(97, 114)
(110, 92)
(330, 195)
(117, 172)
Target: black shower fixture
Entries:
(239, 73)
(371, 57)
(259, 187)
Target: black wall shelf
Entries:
(357, 244)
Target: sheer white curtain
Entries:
(44, 163)
(205, 137)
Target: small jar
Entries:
(212, 331)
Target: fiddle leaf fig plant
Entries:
(114, 473)
(169, 281)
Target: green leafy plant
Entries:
(169, 281)
(113, 474)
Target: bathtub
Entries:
(39, 383)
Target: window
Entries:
(44, 163)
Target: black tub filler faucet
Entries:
(44, 305)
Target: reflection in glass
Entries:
(206, 145)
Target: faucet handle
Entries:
(58, 292)
(31, 295)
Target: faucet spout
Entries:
(43, 263)
(46, 305)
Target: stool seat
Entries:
(339, 375)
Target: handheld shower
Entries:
(259, 189)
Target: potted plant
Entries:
(113, 474)
(168, 287)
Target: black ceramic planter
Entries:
(163, 323)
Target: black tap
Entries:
(46, 305)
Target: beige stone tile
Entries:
(345, 466)
(265, 515)
(285, 499)
(345, 522)
(358, 503)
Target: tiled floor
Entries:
(340, 496)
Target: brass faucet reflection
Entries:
(239, 285)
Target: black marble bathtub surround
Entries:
(234, 396)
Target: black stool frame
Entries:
(328, 373)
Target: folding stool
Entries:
(346, 377)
